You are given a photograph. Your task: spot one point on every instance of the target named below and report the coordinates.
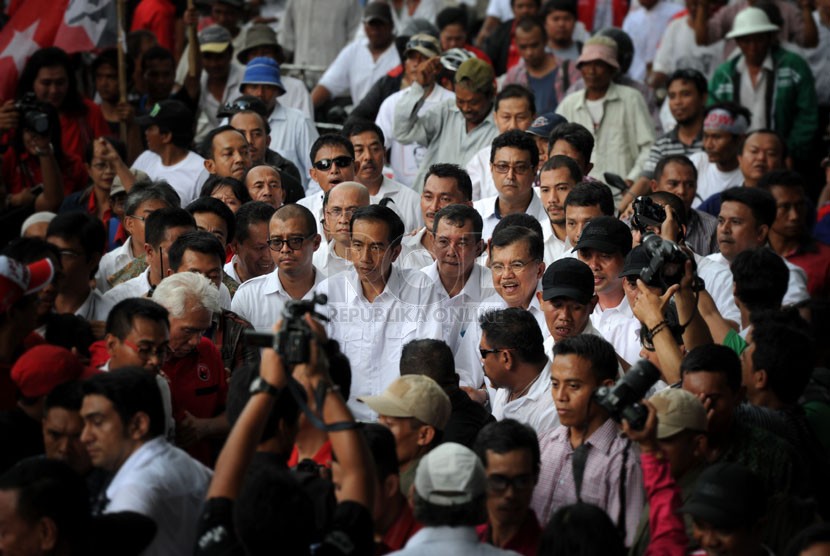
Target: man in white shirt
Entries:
(251, 256)
(724, 128)
(123, 433)
(377, 308)
(513, 357)
(293, 239)
(446, 184)
(368, 140)
(646, 27)
(363, 61)
(339, 205)
(220, 77)
(513, 164)
(168, 130)
(557, 177)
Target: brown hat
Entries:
(479, 73)
(415, 396)
(678, 410)
(256, 36)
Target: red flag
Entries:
(87, 25)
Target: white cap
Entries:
(450, 475)
(751, 21)
(36, 218)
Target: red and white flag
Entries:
(73, 25)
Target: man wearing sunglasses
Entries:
(333, 162)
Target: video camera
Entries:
(34, 114)
(622, 400)
(666, 261)
(293, 339)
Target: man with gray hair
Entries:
(339, 203)
(449, 500)
(195, 370)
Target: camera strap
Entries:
(319, 398)
(578, 461)
(623, 477)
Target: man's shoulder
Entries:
(147, 159)
(253, 286)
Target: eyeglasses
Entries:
(162, 353)
(485, 352)
(516, 267)
(139, 218)
(500, 483)
(337, 212)
(69, 253)
(101, 166)
(520, 168)
(324, 164)
(294, 243)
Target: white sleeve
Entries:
(475, 170)
(336, 79)
(385, 118)
(500, 9)
(797, 286)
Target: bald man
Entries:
(338, 206)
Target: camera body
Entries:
(622, 400)
(33, 114)
(647, 214)
(666, 264)
(294, 338)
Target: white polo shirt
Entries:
(404, 201)
(487, 209)
(413, 253)
(619, 326)
(536, 408)
(182, 176)
(328, 262)
(260, 300)
(355, 70)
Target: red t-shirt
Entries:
(78, 131)
(322, 457)
(526, 539)
(159, 17)
(816, 263)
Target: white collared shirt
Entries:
(619, 326)
(292, 135)
(328, 262)
(550, 342)
(535, 408)
(796, 287)
(487, 209)
(230, 269)
(718, 280)
(372, 334)
(95, 307)
(439, 541)
(404, 201)
(140, 287)
(555, 248)
(480, 174)
(167, 485)
(260, 300)
(314, 203)
(754, 96)
(111, 263)
(413, 253)
(355, 70)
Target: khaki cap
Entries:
(415, 396)
(678, 410)
(479, 74)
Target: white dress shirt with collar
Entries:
(442, 541)
(95, 307)
(535, 408)
(413, 253)
(328, 262)
(404, 201)
(619, 326)
(719, 283)
(260, 300)
(230, 269)
(480, 174)
(372, 334)
(314, 203)
(555, 248)
(487, 209)
(355, 70)
(589, 329)
(796, 288)
(292, 135)
(111, 263)
(165, 484)
(140, 287)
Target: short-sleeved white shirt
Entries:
(260, 300)
(487, 209)
(404, 201)
(354, 71)
(328, 262)
(710, 180)
(536, 408)
(413, 253)
(619, 326)
(181, 176)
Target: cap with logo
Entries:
(415, 396)
(544, 124)
(262, 71)
(569, 278)
(377, 11)
(727, 496)
(478, 73)
(170, 115)
(39, 370)
(607, 235)
(18, 279)
(450, 475)
(678, 411)
(423, 44)
(214, 39)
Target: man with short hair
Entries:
(220, 76)
(123, 433)
(513, 161)
(168, 129)
(62, 427)
(226, 153)
(339, 203)
(574, 141)
(561, 24)
(586, 201)
(509, 451)
(500, 44)
(332, 162)
(292, 239)
(416, 410)
(250, 244)
(611, 478)
(514, 360)
(558, 176)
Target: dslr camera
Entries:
(34, 114)
(647, 214)
(293, 339)
(667, 261)
(622, 401)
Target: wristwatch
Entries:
(259, 385)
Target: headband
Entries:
(722, 120)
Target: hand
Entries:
(191, 430)
(9, 116)
(105, 151)
(650, 307)
(427, 72)
(670, 229)
(647, 437)
(36, 145)
(21, 199)
(478, 395)
(126, 112)
(271, 366)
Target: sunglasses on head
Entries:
(324, 164)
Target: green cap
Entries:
(478, 74)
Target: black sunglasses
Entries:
(324, 164)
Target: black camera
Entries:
(34, 114)
(666, 264)
(293, 339)
(647, 214)
(622, 400)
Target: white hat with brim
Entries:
(751, 21)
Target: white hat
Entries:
(37, 218)
(450, 475)
(751, 21)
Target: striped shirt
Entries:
(669, 144)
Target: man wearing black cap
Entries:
(603, 245)
(362, 62)
(168, 129)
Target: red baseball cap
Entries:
(17, 279)
(43, 367)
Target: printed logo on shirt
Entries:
(203, 371)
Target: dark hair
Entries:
(134, 40)
(66, 396)
(157, 224)
(781, 178)
(451, 15)
(381, 444)
(597, 350)
(681, 159)
(510, 234)
(529, 23)
(46, 58)
(761, 279)
(765, 131)
(253, 212)
(455, 172)
(340, 370)
(785, 350)
(331, 140)
(31, 249)
(514, 90)
(733, 108)
(468, 514)
(517, 329)
(558, 6)
(580, 529)
(266, 127)
(288, 212)
(576, 135)
(206, 146)
(505, 436)
(145, 191)
(122, 316)
(517, 140)
(358, 126)
(381, 214)
(693, 76)
(561, 161)
(48, 488)
(109, 57)
(760, 202)
(815, 534)
(69, 331)
(214, 182)
(87, 229)
(156, 53)
(199, 241)
(285, 408)
(675, 202)
(117, 144)
(131, 390)
(714, 358)
(589, 194)
(432, 358)
(211, 205)
(459, 215)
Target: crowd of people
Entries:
(420, 277)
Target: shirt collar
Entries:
(393, 285)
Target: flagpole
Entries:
(193, 44)
(122, 69)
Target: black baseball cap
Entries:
(606, 234)
(377, 10)
(172, 115)
(635, 262)
(569, 278)
(727, 495)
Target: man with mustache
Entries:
(558, 176)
